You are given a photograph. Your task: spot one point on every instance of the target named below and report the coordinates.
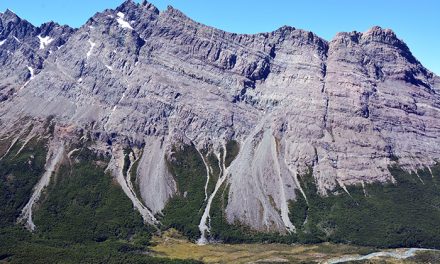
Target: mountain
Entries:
(24, 48)
(279, 136)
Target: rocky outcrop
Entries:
(23, 50)
(347, 109)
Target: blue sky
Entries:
(416, 22)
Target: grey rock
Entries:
(21, 53)
(134, 75)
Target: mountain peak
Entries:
(377, 30)
(9, 14)
(135, 11)
(175, 12)
(50, 24)
(388, 37)
(379, 34)
(54, 28)
(19, 28)
(150, 6)
(285, 28)
(127, 5)
(374, 34)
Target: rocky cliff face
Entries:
(346, 109)
(24, 48)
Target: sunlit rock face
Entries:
(23, 50)
(345, 109)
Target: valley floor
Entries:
(173, 245)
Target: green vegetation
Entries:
(298, 210)
(220, 228)
(133, 176)
(19, 172)
(232, 149)
(83, 217)
(127, 161)
(184, 211)
(83, 204)
(4, 145)
(20, 246)
(405, 214)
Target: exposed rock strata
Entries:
(345, 108)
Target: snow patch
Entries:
(122, 22)
(109, 67)
(92, 45)
(2, 42)
(44, 42)
(31, 70)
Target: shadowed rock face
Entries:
(346, 108)
(23, 50)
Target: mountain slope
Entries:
(24, 49)
(145, 87)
